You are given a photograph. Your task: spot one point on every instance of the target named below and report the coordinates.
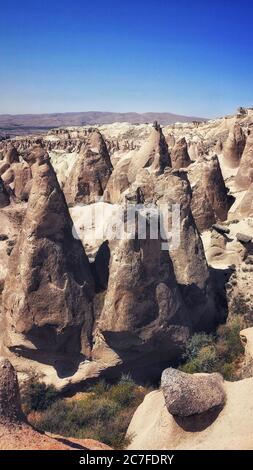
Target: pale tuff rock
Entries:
(247, 340)
(91, 172)
(22, 180)
(245, 208)
(234, 147)
(188, 257)
(10, 403)
(179, 155)
(154, 154)
(244, 177)
(190, 394)
(209, 200)
(48, 290)
(118, 182)
(143, 306)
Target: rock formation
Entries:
(246, 206)
(190, 394)
(143, 306)
(154, 154)
(234, 147)
(179, 155)
(10, 403)
(118, 182)
(48, 290)
(11, 155)
(209, 200)
(188, 256)
(153, 427)
(90, 174)
(244, 177)
(4, 196)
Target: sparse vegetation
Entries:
(216, 353)
(36, 396)
(102, 413)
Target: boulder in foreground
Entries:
(187, 395)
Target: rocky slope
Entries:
(75, 306)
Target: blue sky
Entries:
(190, 57)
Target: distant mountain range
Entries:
(35, 123)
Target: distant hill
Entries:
(35, 123)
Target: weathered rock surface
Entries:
(118, 182)
(91, 172)
(209, 201)
(245, 208)
(244, 177)
(247, 340)
(234, 146)
(179, 155)
(190, 394)
(47, 297)
(154, 154)
(143, 306)
(187, 254)
(11, 155)
(10, 403)
(4, 196)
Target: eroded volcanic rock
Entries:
(143, 305)
(209, 199)
(234, 147)
(10, 403)
(91, 172)
(244, 177)
(190, 394)
(4, 196)
(154, 154)
(179, 155)
(187, 253)
(48, 290)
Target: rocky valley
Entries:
(79, 304)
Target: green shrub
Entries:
(197, 342)
(219, 353)
(104, 413)
(36, 396)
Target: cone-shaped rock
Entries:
(11, 155)
(144, 318)
(48, 290)
(210, 200)
(10, 403)
(186, 250)
(234, 147)
(179, 156)
(244, 177)
(154, 154)
(90, 174)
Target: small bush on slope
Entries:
(103, 414)
(216, 353)
(37, 396)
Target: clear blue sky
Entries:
(190, 57)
